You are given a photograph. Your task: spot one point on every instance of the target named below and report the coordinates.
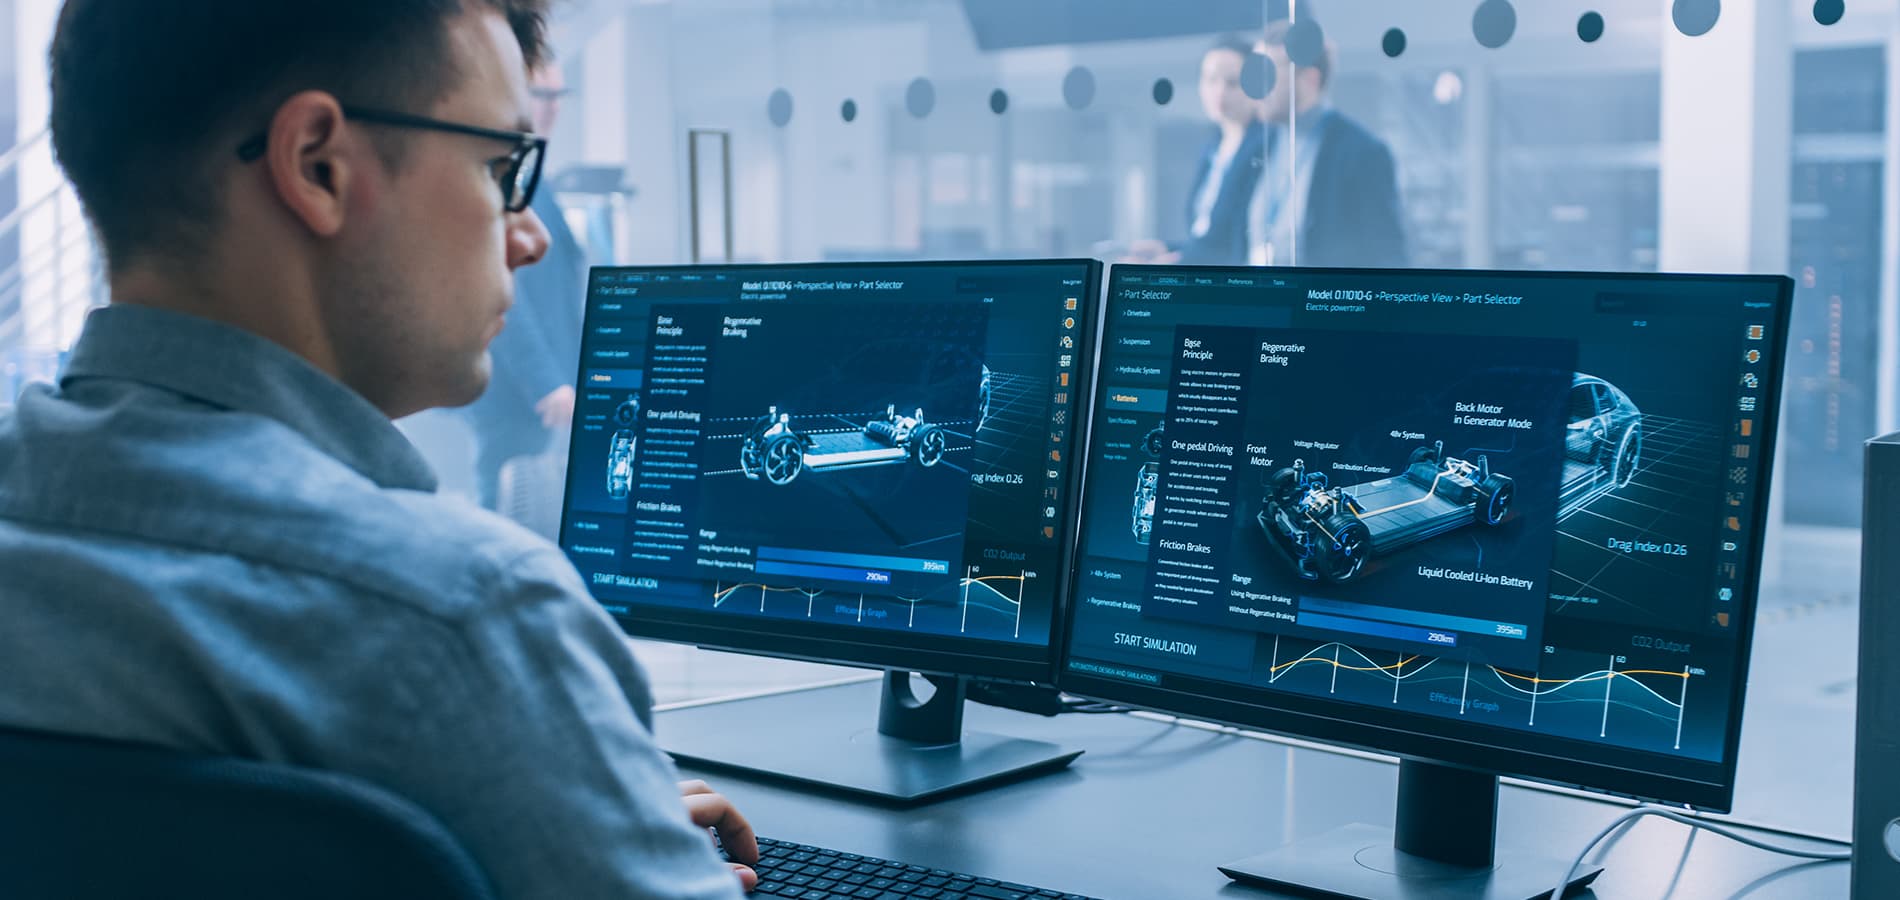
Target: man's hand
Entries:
(556, 409)
(710, 810)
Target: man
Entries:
(1328, 193)
(213, 537)
(530, 399)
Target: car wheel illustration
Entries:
(1629, 455)
(1283, 485)
(1344, 554)
(930, 445)
(784, 459)
(1494, 499)
(751, 458)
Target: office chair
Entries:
(84, 818)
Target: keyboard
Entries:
(802, 872)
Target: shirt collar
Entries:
(234, 369)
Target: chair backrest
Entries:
(84, 818)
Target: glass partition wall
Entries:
(1618, 135)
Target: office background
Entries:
(793, 130)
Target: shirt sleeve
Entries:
(533, 746)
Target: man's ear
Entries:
(312, 156)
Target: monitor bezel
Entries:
(782, 638)
(1347, 729)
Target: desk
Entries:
(1151, 808)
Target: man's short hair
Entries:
(150, 97)
(1276, 37)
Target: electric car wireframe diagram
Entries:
(1147, 485)
(1328, 533)
(620, 449)
(1603, 443)
(776, 452)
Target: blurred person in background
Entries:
(529, 404)
(1328, 193)
(1224, 181)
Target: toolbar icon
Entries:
(1061, 417)
(1728, 546)
(1753, 356)
(1741, 451)
(1069, 305)
(1048, 512)
(1069, 322)
(1738, 475)
(1734, 523)
(1068, 343)
(1725, 594)
(1747, 404)
(1067, 360)
(1757, 332)
(1064, 379)
(1750, 381)
(1049, 531)
(1746, 427)
(1735, 498)
(1062, 398)
(1055, 456)
(1721, 619)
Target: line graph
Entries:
(1574, 694)
(971, 606)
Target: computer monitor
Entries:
(1491, 522)
(862, 463)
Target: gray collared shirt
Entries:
(208, 544)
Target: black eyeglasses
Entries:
(517, 180)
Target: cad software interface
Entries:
(871, 452)
(1503, 508)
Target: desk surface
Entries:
(1151, 809)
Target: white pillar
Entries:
(1727, 141)
(1727, 155)
(626, 101)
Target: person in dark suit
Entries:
(530, 397)
(1328, 194)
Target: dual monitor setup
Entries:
(1494, 523)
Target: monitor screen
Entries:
(1511, 521)
(859, 463)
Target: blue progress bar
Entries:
(1473, 627)
(826, 573)
(1379, 629)
(821, 557)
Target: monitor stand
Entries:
(919, 751)
(1444, 848)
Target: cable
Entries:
(1092, 707)
(1670, 814)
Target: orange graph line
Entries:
(1589, 678)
